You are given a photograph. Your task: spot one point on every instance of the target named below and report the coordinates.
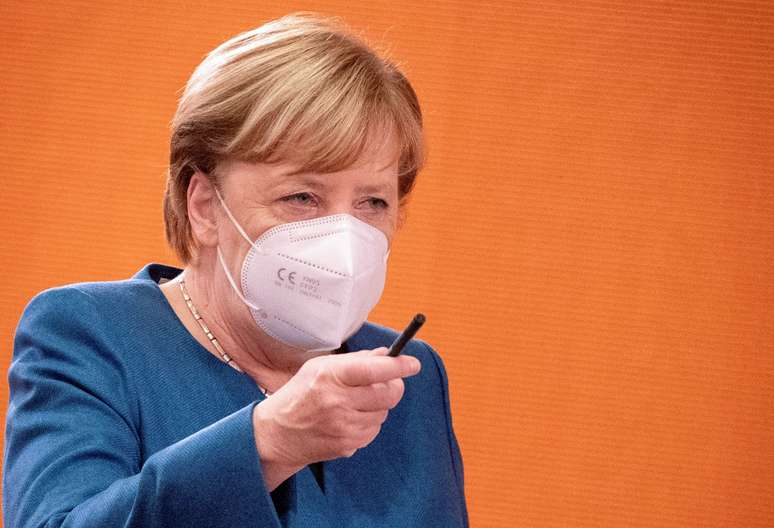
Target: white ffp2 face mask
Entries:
(311, 284)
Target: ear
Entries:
(201, 211)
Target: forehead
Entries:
(376, 167)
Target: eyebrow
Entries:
(319, 182)
(292, 178)
(368, 189)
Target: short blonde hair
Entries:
(302, 88)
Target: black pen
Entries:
(412, 328)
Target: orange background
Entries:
(592, 239)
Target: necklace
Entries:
(228, 360)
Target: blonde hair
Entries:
(302, 88)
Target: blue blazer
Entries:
(119, 417)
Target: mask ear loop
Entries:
(222, 260)
(233, 220)
(233, 284)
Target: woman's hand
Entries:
(333, 406)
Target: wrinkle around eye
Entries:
(302, 199)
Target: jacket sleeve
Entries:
(72, 452)
(454, 448)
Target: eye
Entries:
(377, 203)
(303, 199)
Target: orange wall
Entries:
(592, 240)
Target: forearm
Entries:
(211, 478)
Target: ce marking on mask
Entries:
(283, 275)
(304, 285)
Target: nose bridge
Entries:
(341, 210)
(340, 203)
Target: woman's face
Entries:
(262, 195)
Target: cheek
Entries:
(253, 223)
(234, 249)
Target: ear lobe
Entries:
(201, 211)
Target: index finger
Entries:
(367, 370)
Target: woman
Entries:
(247, 389)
